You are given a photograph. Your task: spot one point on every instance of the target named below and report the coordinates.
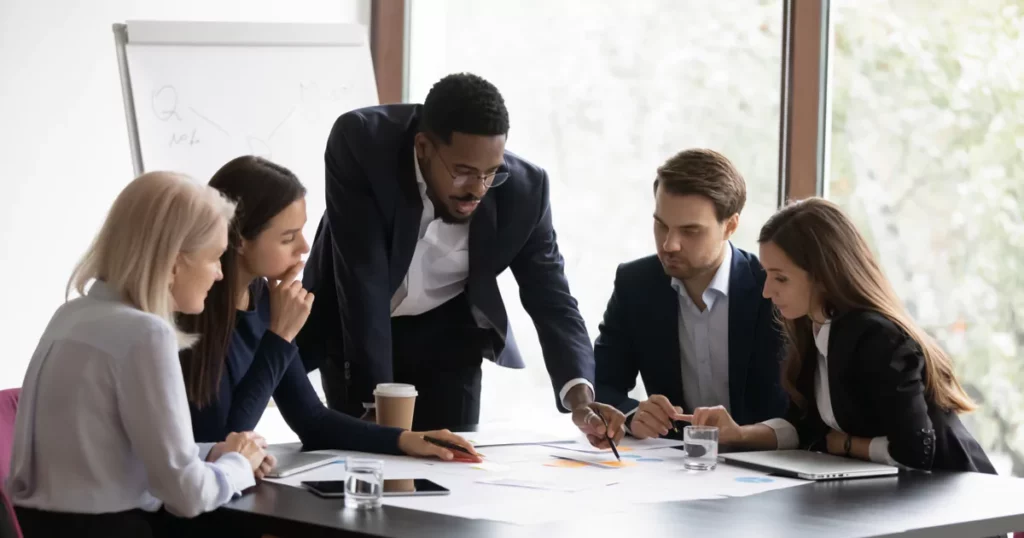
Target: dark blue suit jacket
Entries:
(640, 333)
(365, 242)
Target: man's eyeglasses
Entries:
(461, 180)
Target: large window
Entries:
(600, 94)
(926, 144)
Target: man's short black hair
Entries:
(464, 103)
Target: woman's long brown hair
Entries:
(820, 239)
(262, 189)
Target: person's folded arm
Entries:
(321, 428)
(801, 427)
(249, 399)
(154, 411)
(894, 365)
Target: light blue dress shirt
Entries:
(704, 341)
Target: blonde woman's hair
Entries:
(820, 239)
(156, 218)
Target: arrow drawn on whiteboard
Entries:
(285, 120)
(258, 147)
(211, 122)
(165, 103)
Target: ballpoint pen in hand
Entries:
(608, 434)
(450, 446)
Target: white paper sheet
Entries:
(515, 437)
(497, 490)
(628, 444)
(517, 453)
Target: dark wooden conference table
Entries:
(915, 503)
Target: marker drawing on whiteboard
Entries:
(310, 91)
(184, 139)
(165, 103)
(285, 120)
(208, 120)
(274, 131)
(304, 88)
(259, 147)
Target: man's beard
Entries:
(441, 209)
(686, 271)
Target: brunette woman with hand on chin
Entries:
(246, 352)
(864, 380)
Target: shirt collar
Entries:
(821, 339)
(421, 183)
(102, 291)
(719, 284)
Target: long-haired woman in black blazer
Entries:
(864, 380)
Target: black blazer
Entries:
(640, 333)
(366, 238)
(876, 382)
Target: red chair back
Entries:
(8, 410)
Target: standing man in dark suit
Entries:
(424, 209)
(691, 320)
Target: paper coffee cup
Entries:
(396, 403)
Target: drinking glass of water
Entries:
(701, 446)
(364, 480)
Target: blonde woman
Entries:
(103, 438)
(864, 381)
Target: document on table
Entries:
(509, 437)
(627, 444)
(536, 488)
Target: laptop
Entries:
(807, 465)
(291, 462)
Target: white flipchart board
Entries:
(198, 94)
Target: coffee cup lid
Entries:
(395, 390)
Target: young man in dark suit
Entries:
(691, 320)
(424, 209)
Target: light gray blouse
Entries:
(103, 422)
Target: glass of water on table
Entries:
(364, 483)
(701, 446)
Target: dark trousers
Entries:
(130, 524)
(439, 351)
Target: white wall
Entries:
(64, 151)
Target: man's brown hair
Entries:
(706, 173)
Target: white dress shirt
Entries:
(440, 264)
(103, 422)
(786, 434)
(439, 268)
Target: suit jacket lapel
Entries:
(665, 332)
(743, 310)
(408, 210)
(840, 346)
(482, 288)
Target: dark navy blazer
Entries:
(366, 238)
(640, 334)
